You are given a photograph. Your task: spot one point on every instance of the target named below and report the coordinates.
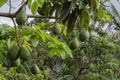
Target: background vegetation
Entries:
(79, 45)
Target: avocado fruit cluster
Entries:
(16, 54)
(83, 36)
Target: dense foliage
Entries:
(73, 47)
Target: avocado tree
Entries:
(73, 47)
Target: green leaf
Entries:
(21, 69)
(85, 19)
(8, 43)
(40, 3)
(65, 10)
(34, 7)
(53, 52)
(29, 3)
(65, 31)
(2, 2)
(27, 31)
(94, 3)
(34, 41)
(59, 49)
(41, 33)
(63, 54)
(97, 3)
(73, 4)
(58, 8)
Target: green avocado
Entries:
(74, 44)
(24, 53)
(56, 28)
(21, 17)
(13, 52)
(84, 35)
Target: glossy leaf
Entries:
(59, 49)
(29, 3)
(26, 31)
(34, 7)
(85, 18)
(40, 3)
(34, 40)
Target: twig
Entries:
(14, 23)
(12, 15)
(28, 68)
(17, 37)
(10, 6)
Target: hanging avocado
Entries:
(35, 69)
(21, 17)
(13, 52)
(84, 35)
(74, 44)
(56, 28)
(24, 53)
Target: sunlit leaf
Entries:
(65, 31)
(29, 3)
(34, 41)
(62, 54)
(85, 18)
(34, 7)
(27, 31)
(40, 3)
(41, 34)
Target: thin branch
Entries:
(28, 68)
(17, 37)
(39, 16)
(10, 6)
(14, 23)
(12, 15)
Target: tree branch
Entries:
(39, 16)
(12, 15)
